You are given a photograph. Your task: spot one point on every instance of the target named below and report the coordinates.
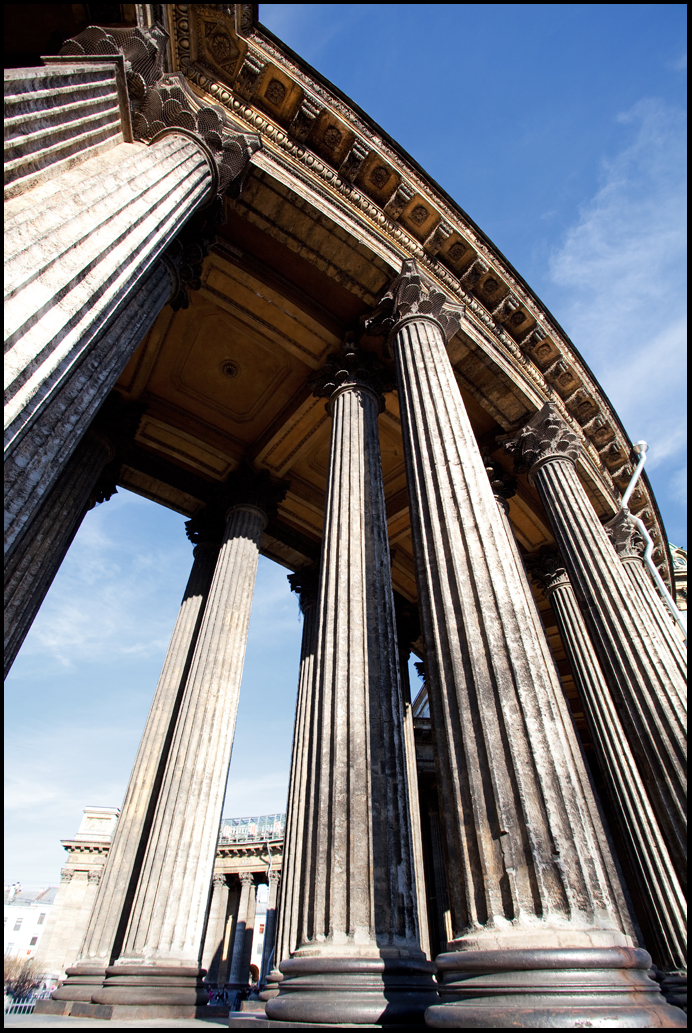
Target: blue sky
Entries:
(559, 129)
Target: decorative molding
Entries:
(415, 294)
(548, 570)
(162, 103)
(305, 583)
(94, 877)
(504, 484)
(351, 367)
(547, 437)
(627, 540)
(66, 874)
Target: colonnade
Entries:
(539, 929)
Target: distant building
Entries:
(26, 919)
(679, 557)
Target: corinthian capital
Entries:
(627, 541)
(351, 367)
(415, 294)
(548, 570)
(546, 437)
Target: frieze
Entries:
(318, 97)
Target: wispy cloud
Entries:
(621, 279)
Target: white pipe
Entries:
(642, 448)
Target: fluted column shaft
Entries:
(216, 928)
(294, 837)
(167, 918)
(79, 250)
(356, 799)
(650, 600)
(643, 675)
(356, 892)
(41, 550)
(270, 923)
(106, 929)
(658, 890)
(238, 974)
(527, 863)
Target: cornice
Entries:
(606, 444)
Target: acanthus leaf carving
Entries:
(351, 366)
(545, 438)
(163, 103)
(547, 570)
(626, 538)
(414, 294)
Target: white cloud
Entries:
(621, 275)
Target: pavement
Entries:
(67, 1022)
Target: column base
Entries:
(566, 988)
(80, 984)
(353, 991)
(271, 985)
(673, 986)
(159, 986)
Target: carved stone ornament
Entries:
(66, 874)
(187, 252)
(627, 540)
(161, 103)
(504, 485)
(415, 294)
(545, 438)
(547, 570)
(247, 486)
(305, 583)
(218, 880)
(94, 877)
(349, 367)
(247, 879)
(207, 527)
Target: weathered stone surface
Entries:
(78, 248)
(216, 927)
(658, 895)
(642, 672)
(110, 914)
(56, 118)
(239, 970)
(34, 563)
(629, 545)
(305, 583)
(528, 866)
(356, 893)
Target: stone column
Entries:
(79, 250)
(270, 924)
(305, 583)
(238, 974)
(531, 894)
(358, 955)
(110, 915)
(641, 668)
(33, 565)
(216, 928)
(657, 891)
(163, 939)
(629, 545)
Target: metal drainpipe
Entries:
(641, 448)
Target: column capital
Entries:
(249, 487)
(162, 103)
(546, 438)
(547, 570)
(274, 878)
(504, 484)
(206, 527)
(305, 583)
(351, 367)
(218, 879)
(626, 538)
(414, 295)
(66, 874)
(246, 879)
